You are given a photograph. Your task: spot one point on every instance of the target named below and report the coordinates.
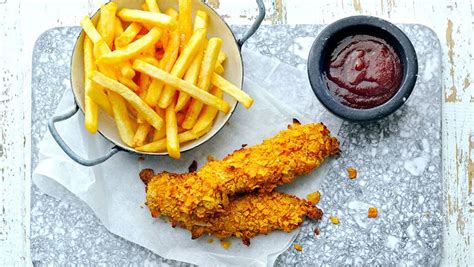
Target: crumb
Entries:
(244, 145)
(314, 197)
(210, 158)
(296, 121)
(146, 175)
(317, 231)
(298, 247)
(352, 173)
(141, 206)
(210, 240)
(373, 212)
(193, 167)
(334, 219)
(141, 158)
(226, 244)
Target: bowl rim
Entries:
(165, 153)
(320, 46)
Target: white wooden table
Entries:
(453, 20)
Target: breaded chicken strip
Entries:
(254, 214)
(278, 160)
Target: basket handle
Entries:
(256, 24)
(67, 149)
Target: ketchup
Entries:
(363, 72)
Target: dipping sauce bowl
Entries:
(362, 68)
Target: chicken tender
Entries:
(278, 160)
(244, 217)
(254, 214)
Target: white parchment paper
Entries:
(116, 195)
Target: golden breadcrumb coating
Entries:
(278, 160)
(254, 214)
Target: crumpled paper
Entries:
(116, 195)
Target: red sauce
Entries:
(364, 71)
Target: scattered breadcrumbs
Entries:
(210, 158)
(352, 173)
(314, 197)
(141, 158)
(210, 240)
(316, 231)
(334, 219)
(193, 167)
(372, 212)
(298, 247)
(226, 244)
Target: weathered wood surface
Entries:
(453, 21)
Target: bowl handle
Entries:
(67, 149)
(255, 25)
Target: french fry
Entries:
(106, 24)
(191, 76)
(182, 64)
(208, 113)
(172, 142)
(91, 111)
(165, 39)
(133, 122)
(145, 7)
(185, 22)
(155, 146)
(171, 53)
(90, 30)
(173, 14)
(187, 87)
(123, 122)
(232, 90)
(149, 51)
(141, 107)
(221, 57)
(118, 28)
(200, 22)
(125, 66)
(151, 60)
(152, 6)
(219, 69)
(166, 33)
(128, 35)
(204, 80)
(166, 64)
(95, 91)
(97, 94)
(129, 83)
(144, 83)
(180, 117)
(159, 134)
(126, 69)
(160, 145)
(141, 134)
(132, 111)
(146, 17)
(132, 49)
(108, 71)
(100, 47)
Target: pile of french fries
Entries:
(156, 74)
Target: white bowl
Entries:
(233, 72)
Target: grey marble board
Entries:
(398, 160)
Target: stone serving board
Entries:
(398, 160)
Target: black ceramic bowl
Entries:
(329, 38)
